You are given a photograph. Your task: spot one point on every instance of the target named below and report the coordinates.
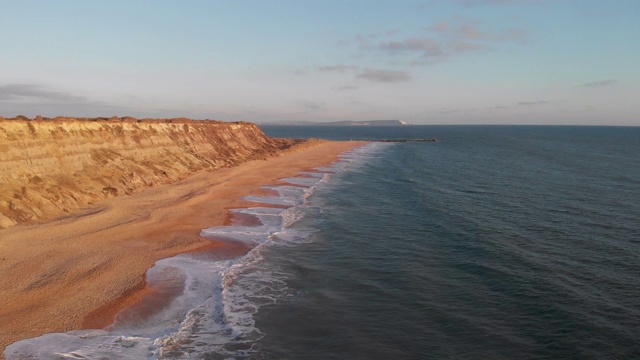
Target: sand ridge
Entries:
(88, 264)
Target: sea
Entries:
(494, 242)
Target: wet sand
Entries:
(79, 271)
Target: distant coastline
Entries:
(341, 123)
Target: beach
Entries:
(78, 271)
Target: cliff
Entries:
(55, 166)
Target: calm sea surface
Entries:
(497, 242)
(493, 243)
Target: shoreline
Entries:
(77, 272)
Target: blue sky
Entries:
(425, 62)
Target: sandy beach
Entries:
(78, 271)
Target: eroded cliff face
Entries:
(52, 167)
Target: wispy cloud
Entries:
(34, 99)
(437, 42)
(471, 30)
(32, 92)
(428, 47)
(340, 68)
(376, 75)
(384, 76)
(599, 84)
(442, 40)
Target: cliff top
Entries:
(115, 119)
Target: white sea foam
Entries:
(312, 174)
(213, 314)
(302, 181)
(85, 344)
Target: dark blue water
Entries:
(494, 243)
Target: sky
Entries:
(565, 62)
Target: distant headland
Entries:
(342, 123)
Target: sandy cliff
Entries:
(51, 167)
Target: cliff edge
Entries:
(55, 166)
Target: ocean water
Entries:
(493, 243)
